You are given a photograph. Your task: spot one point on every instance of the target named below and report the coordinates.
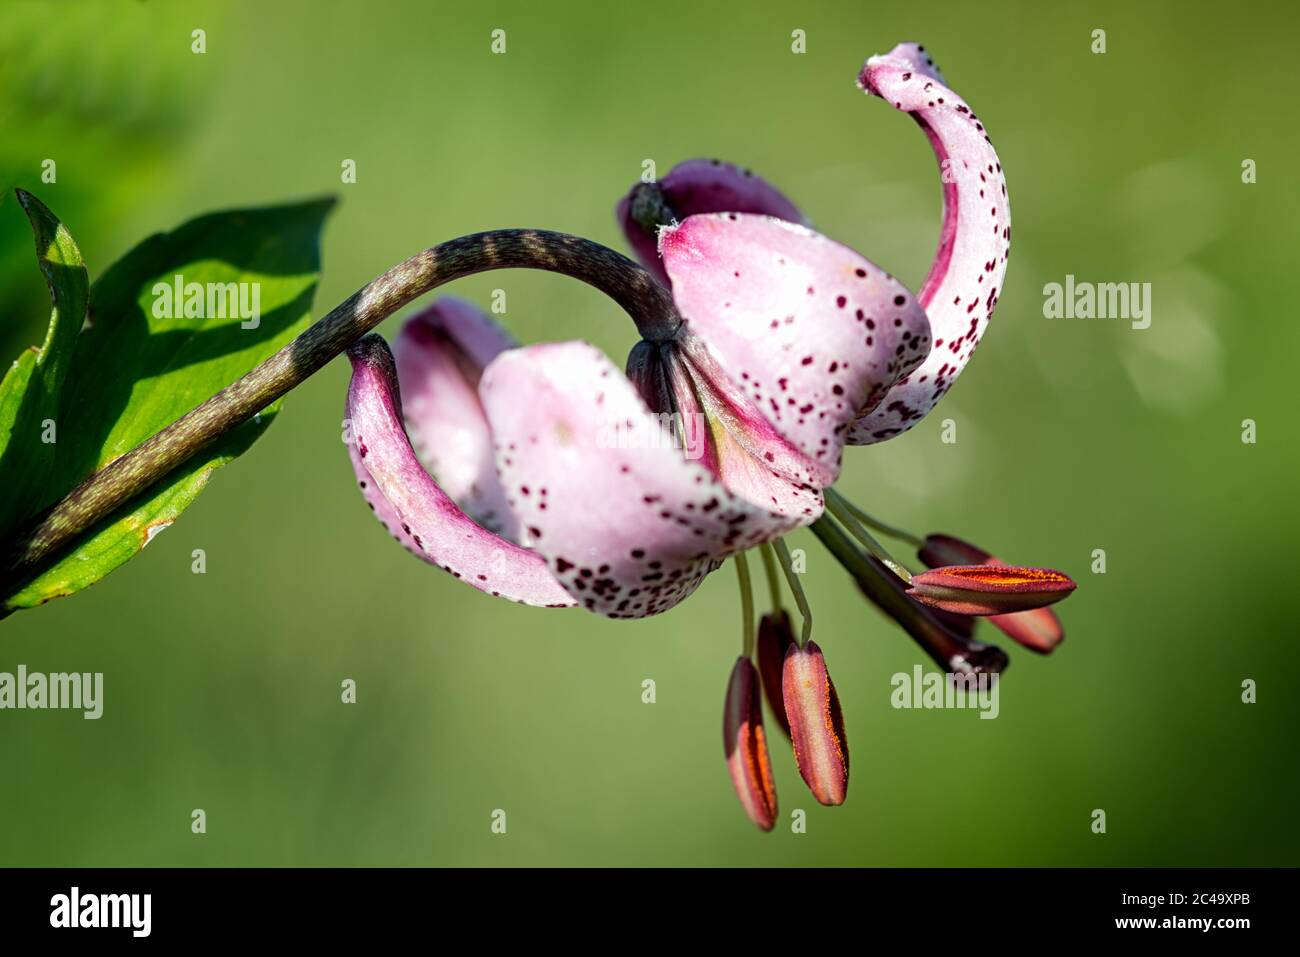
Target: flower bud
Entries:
(816, 724)
(746, 746)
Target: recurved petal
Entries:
(965, 279)
(745, 745)
(775, 636)
(704, 186)
(816, 724)
(628, 524)
(1038, 629)
(410, 502)
(989, 589)
(440, 355)
(809, 331)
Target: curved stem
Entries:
(949, 651)
(746, 604)
(648, 303)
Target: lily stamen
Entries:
(892, 531)
(746, 604)
(810, 709)
(773, 581)
(796, 589)
(838, 507)
(744, 740)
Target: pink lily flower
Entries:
(790, 346)
(564, 482)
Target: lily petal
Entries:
(745, 745)
(704, 186)
(735, 441)
(989, 589)
(628, 525)
(721, 429)
(816, 723)
(809, 331)
(1038, 629)
(403, 493)
(962, 289)
(440, 355)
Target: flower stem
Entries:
(648, 303)
(951, 652)
(746, 604)
(796, 589)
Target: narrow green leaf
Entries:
(148, 356)
(31, 390)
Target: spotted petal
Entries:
(734, 440)
(809, 331)
(627, 524)
(704, 186)
(421, 514)
(962, 289)
(440, 354)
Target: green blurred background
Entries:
(222, 691)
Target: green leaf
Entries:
(31, 389)
(139, 365)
